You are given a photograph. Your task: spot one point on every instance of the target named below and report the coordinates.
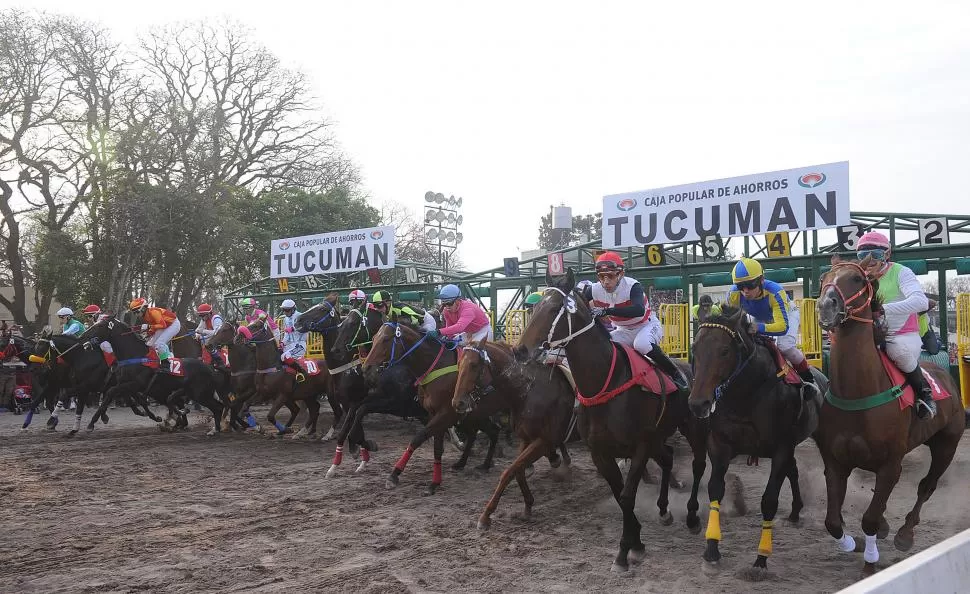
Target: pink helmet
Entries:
(875, 239)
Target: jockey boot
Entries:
(299, 370)
(805, 372)
(925, 407)
(662, 361)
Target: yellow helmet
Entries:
(746, 269)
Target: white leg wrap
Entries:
(872, 552)
(847, 544)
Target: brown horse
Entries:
(540, 398)
(435, 364)
(628, 422)
(274, 381)
(862, 425)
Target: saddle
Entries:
(648, 376)
(785, 370)
(908, 396)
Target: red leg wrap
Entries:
(364, 455)
(338, 456)
(404, 459)
(436, 476)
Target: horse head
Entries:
(224, 335)
(250, 333)
(561, 315)
(319, 318)
(354, 330)
(475, 377)
(722, 348)
(848, 292)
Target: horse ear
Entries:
(836, 259)
(548, 278)
(46, 332)
(570, 277)
(736, 318)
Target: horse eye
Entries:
(725, 351)
(857, 278)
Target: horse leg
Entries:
(608, 469)
(942, 449)
(281, 399)
(796, 493)
(566, 459)
(338, 415)
(886, 479)
(720, 460)
(664, 457)
(439, 449)
(78, 413)
(466, 450)
(437, 425)
(358, 430)
(492, 431)
(528, 453)
(698, 446)
(313, 413)
(346, 424)
(294, 408)
(781, 464)
(630, 544)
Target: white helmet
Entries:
(288, 304)
(65, 311)
(357, 295)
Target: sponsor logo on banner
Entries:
(807, 198)
(811, 180)
(342, 251)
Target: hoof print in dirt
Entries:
(755, 574)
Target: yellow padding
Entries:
(714, 522)
(36, 359)
(764, 547)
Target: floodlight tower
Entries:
(442, 219)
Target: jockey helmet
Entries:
(91, 310)
(288, 304)
(705, 300)
(204, 309)
(449, 293)
(358, 295)
(136, 304)
(873, 239)
(609, 262)
(248, 303)
(747, 269)
(64, 312)
(533, 298)
(379, 297)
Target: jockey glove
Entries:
(434, 334)
(597, 311)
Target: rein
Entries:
(849, 313)
(431, 374)
(568, 307)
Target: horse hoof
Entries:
(754, 574)
(432, 489)
(666, 519)
(522, 516)
(332, 471)
(90, 428)
(793, 520)
(212, 432)
(72, 433)
(361, 467)
(104, 418)
(903, 542)
(636, 557)
(458, 466)
(529, 470)
(868, 570)
(677, 484)
(860, 544)
(555, 463)
(883, 530)
(391, 482)
(483, 468)
(618, 568)
(328, 436)
(371, 445)
(484, 523)
(694, 525)
(710, 567)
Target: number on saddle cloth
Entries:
(176, 367)
(310, 366)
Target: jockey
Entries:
(412, 315)
(71, 326)
(705, 308)
(252, 313)
(294, 342)
(622, 301)
(93, 315)
(209, 324)
(465, 321)
(767, 303)
(357, 300)
(161, 325)
(902, 300)
(531, 300)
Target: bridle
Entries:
(361, 325)
(481, 389)
(568, 308)
(739, 366)
(332, 313)
(847, 312)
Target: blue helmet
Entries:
(449, 292)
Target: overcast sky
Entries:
(515, 106)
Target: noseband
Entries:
(850, 313)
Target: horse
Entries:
(138, 376)
(187, 346)
(622, 420)
(435, 364)
(540, 398)
(752, 412)
(77, 368)
(861, 426)
(275, 381)
(44, 385)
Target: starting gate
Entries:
(515, 321)
(963, 345)
(675, 318)
(809, 332)
(314, 343)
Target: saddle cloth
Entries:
(647, 374)
(908, 396)
(309, 366)
(785, 369)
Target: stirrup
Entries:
(300, 378)
(930, 409)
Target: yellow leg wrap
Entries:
(714, 522)
(764, 547)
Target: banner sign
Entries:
(815, 197)
(343, 251)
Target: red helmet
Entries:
(204, 309)
(608, 262)
(91, 310)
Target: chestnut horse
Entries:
(631, 423)
(753, 412)
(540, 398)
(862, 424)
(435, 363)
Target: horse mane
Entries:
(878, 330)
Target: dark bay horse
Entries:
(752, 412)
(540, 399)
(435, 363)
(45, 379)
(631, 423)
(862, 424)
(137, 379)
(275, 382)
(77, 367)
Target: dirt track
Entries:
(129, 508)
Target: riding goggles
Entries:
(874, 253)
(607, 275)
(448, 303)
(749, 285)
